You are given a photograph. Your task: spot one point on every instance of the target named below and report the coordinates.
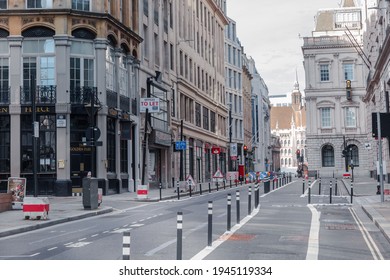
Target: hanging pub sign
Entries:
(215, 150)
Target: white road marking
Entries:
(376, 253)
(82, 239)
(51, 249)
(94, 235)
(313, 243)
(78, 244)
(206, 251)
(137, 225)
(168, 243)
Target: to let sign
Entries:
(152, 104)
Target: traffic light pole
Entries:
(378, 117)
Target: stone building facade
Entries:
(78, 59)
(335, 88)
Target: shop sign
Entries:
(4, 110)
(39, 109)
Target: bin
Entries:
(90, 193)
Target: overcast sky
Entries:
(269, 31)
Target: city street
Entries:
(284, 227)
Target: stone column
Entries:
(63, 184)
(15, 46)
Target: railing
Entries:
(43, 95)
(4, 95)
(112, 98)
(327, 41)
(83, 95)
(124, 103)
(134, 106)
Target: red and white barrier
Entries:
(36, 208)
(142, 191)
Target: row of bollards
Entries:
(330, 189)
(179, 220)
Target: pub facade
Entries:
(68, 77)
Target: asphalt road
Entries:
(284, 227)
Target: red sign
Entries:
(216, 150)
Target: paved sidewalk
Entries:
(364, 191)
(65, 209)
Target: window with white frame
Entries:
(83, 5)
(123, 76)
(324, 72)
(39, 4)
(110, 68)
(325, 118)
(348, 71)
(82, 65)
(39, 62)
(350, 117)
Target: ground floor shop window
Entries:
(46, 144)
(5, 144)
(111, 147)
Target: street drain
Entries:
(340, 227)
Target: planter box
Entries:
(5, 202)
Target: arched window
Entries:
(327, 154)
(289, 162)
(353, 151)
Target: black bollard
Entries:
(126, 245)
(200, 188)
(249, 200)
(209, 187)
(178, 190)
(179, 244)
(319, 187)
(160, 188)
(330, 192)
(351, 191)
(229, 210)
(309, 189)
(303, 186)
(210, 223)
(238, 206)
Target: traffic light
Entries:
(349, 90)
(344, 153)
(298, 154)
(245, 150)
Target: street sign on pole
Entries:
(180, 145)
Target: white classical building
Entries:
(335, 88)
(288, 124)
